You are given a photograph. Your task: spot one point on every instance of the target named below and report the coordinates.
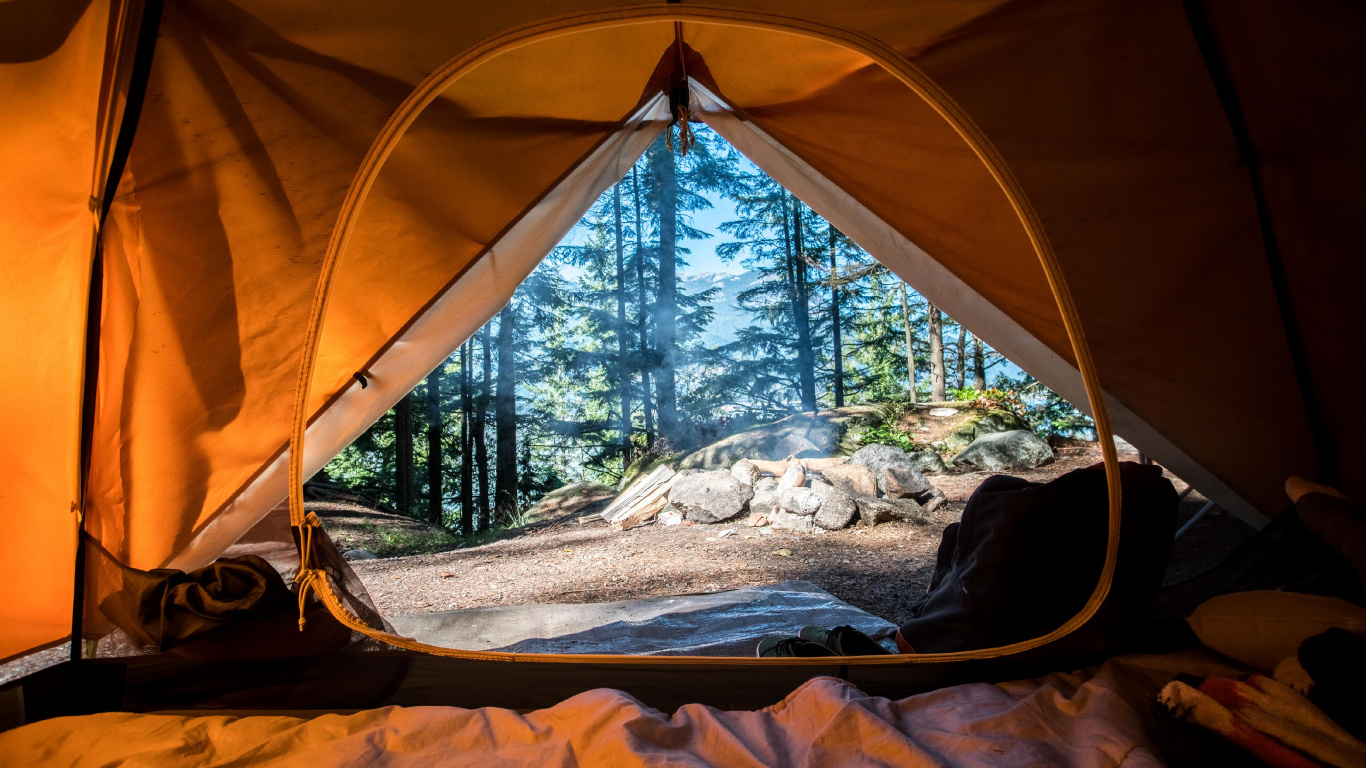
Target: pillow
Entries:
(1262, 628)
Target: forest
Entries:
(612, 353)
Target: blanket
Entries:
(1096, 717)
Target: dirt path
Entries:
(882, 570)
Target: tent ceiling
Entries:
(259, 114)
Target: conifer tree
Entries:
(435, 508)
(466, 455)
(481, 408)
(403, 455)
(505, 416)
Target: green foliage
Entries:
(887, 434)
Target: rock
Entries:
(359, 554)
(875, 511)
(686, 472)
(786, 521)
(725, 533)
(794, 477)
(710, 497)
(802, 435)
(1001, 451)
(932, 499)
(798, 501)
(853, 479)
(754, 520)
(986, 423)
(902, 482)
(765, 500)
(875, 457)
(745, 471)
(943, 413)
(837, 508)
(928, 461)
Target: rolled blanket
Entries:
(1265, 717)
(1191, 705)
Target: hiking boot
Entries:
(777, 646)
(843, 641)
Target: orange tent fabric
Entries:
(259, 115)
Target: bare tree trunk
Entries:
(806, 356)
(837, 353)
(481, 410)
(623, 380)
(910, 348)
(979, 372)
(961, 371)
(505, 416)
(466, 457)
(645, 400)
(936, 354)
(666, 295)
(435, 511)
(403, 455)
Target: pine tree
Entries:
(666, 294)
(910, 346)
(435, 508)
(801, 305)
(505, 416)
(623, 358)
(466, 455)
(836, 320)
(646, 402)
(481, 409)
(403, 455)
(961, 362)
(937, 393)
(979, 373)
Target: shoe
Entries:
(843, 641)
(778, 646)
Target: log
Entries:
(777, 468)
(644, 509)
(640, 487)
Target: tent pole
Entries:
(132, 110)
(1325, 449)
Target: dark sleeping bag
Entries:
(1026, 556)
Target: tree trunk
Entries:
(466, 455)
(481, 410)
(806, 356)
(505, 416)
(403, 455)
(666, 295)
(961, 371)
(435, 511)
(910, 348)
(936, 354)
(979, 372)
(623, 378)
(837, 352)
(645, 399)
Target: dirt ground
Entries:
(882, 570)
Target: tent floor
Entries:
(350, 681)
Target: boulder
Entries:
(710, 497)
(765, 500)
(932, 499)
(359, 554)
(686, 472)
(876, 457)
(803, 435)
(837, 508)
(794, 477)
(986, 423)
(745, 471)
(875, 511)
(1003, 451)
(786, 521)
(902, 482)
(928, 461)
(853, 479)
(798, 501)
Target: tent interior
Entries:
(239, 232)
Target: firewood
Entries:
(640, 487)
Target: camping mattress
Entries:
(1096, 717)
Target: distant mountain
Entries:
(729, 317)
